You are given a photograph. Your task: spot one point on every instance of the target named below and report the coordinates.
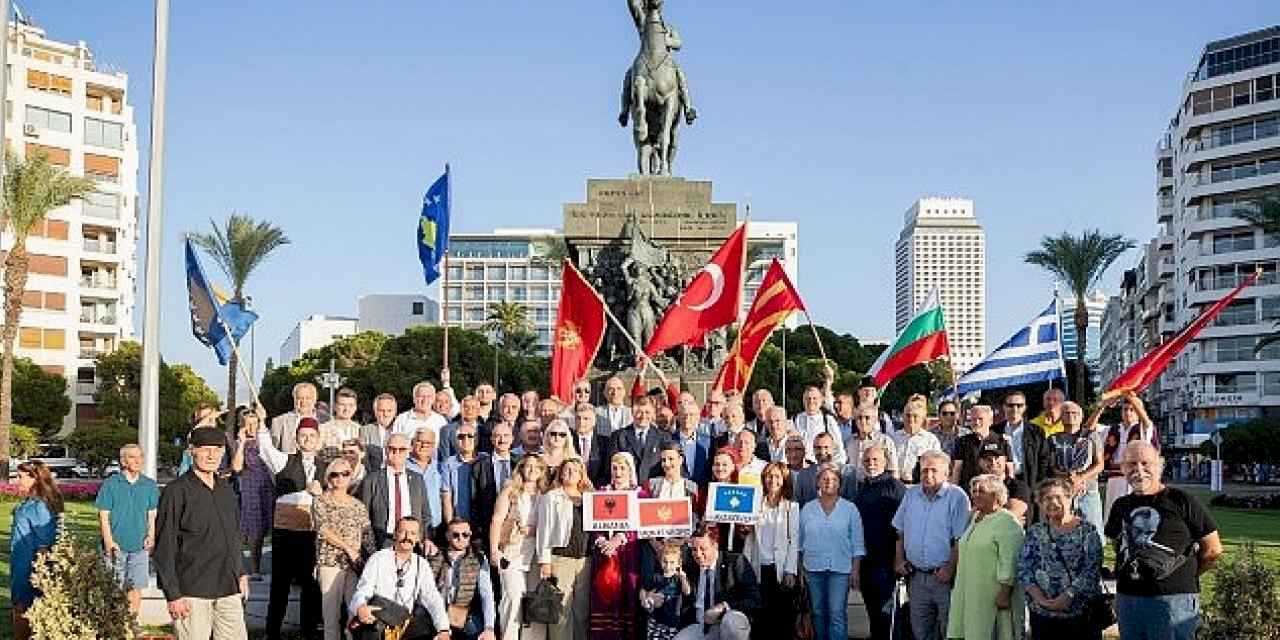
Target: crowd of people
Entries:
(455, 518)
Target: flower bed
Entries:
(72, 491)
(1247, 501)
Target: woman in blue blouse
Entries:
(1060, 566)
(831, 545)
(35, 525)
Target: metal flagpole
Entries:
(448, 198)
(444, 296)
(149, 409)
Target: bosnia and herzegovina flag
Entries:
(433, 227)
(213, 316)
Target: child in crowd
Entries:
(661, 595)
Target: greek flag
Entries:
(1033, 354)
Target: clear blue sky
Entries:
(330, 118)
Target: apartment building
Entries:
(1219, 155)
(943, 246)
(80, 298)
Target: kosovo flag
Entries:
(212, 315)
(735, 499)
(433, 227)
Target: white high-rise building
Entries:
(1096, 305)
(79, 301)
(314, 332)
(942, 246)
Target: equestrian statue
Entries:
(654, 91)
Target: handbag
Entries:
(511, 533)
(543, 605)
(1100, 608)
(803, 629)
(388, 613)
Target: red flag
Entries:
(638, 388)
(1146, 370)
(580, 327)
(709, 302)
(775, 300)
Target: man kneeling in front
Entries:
(726, 595)
(399, 576)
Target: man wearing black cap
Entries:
(970, 446)
(992, 461)
(293, 541)
(197, 554)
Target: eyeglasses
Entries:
(1015, 405)
(582, 391)
(948, 413)
(459, 535)
(466, 436)
(398, 449)
(558, 434)
(339, 474)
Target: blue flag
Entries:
(433, 227)
(735, 499)
(211, 313)
(1033, 354)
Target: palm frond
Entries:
(33, 187)
(1263, 213)
(240, 246)
(1079, 262)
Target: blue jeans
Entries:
(1173, 617)
(829, 598)
(1089, 506)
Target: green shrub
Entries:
(79, 596)
(1245, 599)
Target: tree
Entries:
(239, 246)
(98, 445)
(1263, 213)
(32, 188)
(120, 383)
(23, 441)
(39, 398)
(509, 321)
(1079, 262)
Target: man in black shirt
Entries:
(969, 446)
(879, 495)
(991, 460)
(1164, 540)
(197, 554)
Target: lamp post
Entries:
(330, 380)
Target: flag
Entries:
(433, 227)
(211, 313)
(580, 326)
(775, 300)
(924, 339)
(709, 302)
(1148, 368)
(1033, 354)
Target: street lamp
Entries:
(330, 380)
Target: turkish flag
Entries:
(776, 299)
(1149, 367)
(709, 302)
(580, 326)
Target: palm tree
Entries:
(239, 247)
(1079, 262)
(508, 321)
(32, 188)
(1263, 213)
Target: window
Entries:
(48, 119)
(475, 314)
(1271, 384)
(475, 272)
(453, 314)
(48, 82)
(518, 273)
(538, 272)
(498, 293)
(455, 273)
(56, 155)
(1264, 89)
(1235, 383)
(1270, 308)
(519, 293)
(98, 167)
(417, 309)
(1233, 349)
(474, 292)
(103, 134)
(1238, 312)
(101, 205)
(496, 272)
(29, 338)
(538, 292)
(1231, 242)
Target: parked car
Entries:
(60, 461)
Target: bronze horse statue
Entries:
(654, 91)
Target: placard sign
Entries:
(609, 511)
(665, 517)
(733, 503)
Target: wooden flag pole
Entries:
(639, 350)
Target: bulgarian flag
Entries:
(924, 339)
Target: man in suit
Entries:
(726, 592)
(284, 427)
(468, 415)
(641, 439)
(490, 473)
(374, 436)
(695, 443)
(394, 493)
(734, 425)
(506, 411)
(613, 415)
(761, 402)
(593, 447)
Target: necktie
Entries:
(504, 472)
(399, 501)
(584, 443)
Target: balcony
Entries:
(99, 286)
(92, 353)
(86, 388)
(99, 245)
(1167, 267)
(1164, 210)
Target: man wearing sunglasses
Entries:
(1030, 454)
(393, 493)
(462, 577)
(458, 492)
(948, 429)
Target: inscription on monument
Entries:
(665, 208)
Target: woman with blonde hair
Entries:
(344, 538)
(986, 601)
(512, 540)
(615, 565)
(557, 443)
(562, 549)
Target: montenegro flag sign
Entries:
(775, 300)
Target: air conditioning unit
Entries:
(30, 129)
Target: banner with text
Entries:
(609, 511)
(733, 503)
(665, 517)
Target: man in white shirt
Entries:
(913, 439)
(779, 428)
(284, 427)
(813, 420)
(866, 434)
(421, 415)
(614, 414)
(405, 578)
(341, 428)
